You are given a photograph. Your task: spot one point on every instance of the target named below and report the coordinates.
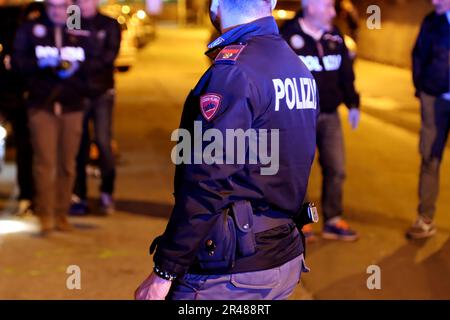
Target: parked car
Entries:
(137, 30)
(146, 27)
(129, 44)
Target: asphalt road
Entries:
(380, 194)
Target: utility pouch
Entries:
(217, 252)
(243, 217)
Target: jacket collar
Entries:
(242, 33)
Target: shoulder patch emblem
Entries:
(209, 105)
(230, 54)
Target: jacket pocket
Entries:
(265, 279)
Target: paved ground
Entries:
(380, 195)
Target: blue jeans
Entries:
(272, 284)
(100, 111)
(330, 143)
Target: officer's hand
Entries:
(354, 116)
(153, 288)
(48, 62)
(67, 73)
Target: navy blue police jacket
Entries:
(329, 61)
(256, 82)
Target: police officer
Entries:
(321, 47)
(102, 35)
(431, 73)
(231, 234)
(49, 57)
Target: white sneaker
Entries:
(421, 229)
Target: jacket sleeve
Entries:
(347, 79)
(204, 191)
(420, 56)
(23, 57)
(111, 50)
(113, 43)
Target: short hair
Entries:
(248, 6)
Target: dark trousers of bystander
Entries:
(100, 111)
(330, 144)
(433, 138)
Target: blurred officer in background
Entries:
(102, 36)
(431, 74)
(49, 58)
(12, 108)
(321, 47)
(232, 233)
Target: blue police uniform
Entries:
(256, 82)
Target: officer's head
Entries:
(88, 7)
(320, 12)
(441, 6)
(57, 11)
(229, 13)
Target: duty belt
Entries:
(257, 221)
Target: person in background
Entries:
(50, 57)
(431, 75)
(102, 35)
(321, 47)
(12, 106)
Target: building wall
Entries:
(400, 23)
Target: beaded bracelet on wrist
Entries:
(164, 274)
